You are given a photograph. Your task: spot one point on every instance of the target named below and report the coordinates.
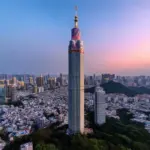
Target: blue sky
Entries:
(34, 35)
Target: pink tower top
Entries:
(75, 32)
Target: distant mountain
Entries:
(140, 90)
(114, 87)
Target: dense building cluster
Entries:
(138, 105)
(51, 106)
(36, 84)
(44, 108)
(134, 81)
(40, 110)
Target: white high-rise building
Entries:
(27, 146)
(14, 94)
(99, 106)
(40, 89)
(76, 82)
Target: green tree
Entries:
(140, 146)
(38, 147)
(45, 147)
(123, 148)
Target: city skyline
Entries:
(34, 36)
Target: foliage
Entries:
(45, 147)
(3, 135)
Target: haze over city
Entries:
(35, 34)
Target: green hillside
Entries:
(113, 87)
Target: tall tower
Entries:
(76, 81)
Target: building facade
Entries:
(99, 106)
(14, 94)
(40, 81)
(27, 146)
(2, 93)
(51, 83)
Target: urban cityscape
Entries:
(74, 110)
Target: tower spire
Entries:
(76, 17)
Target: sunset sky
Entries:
(34, 35)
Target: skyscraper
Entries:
(61, 80)
(76, 81)
(107, 77)
(31, 80)
(40, 81)
(14, 81)
(51, 83)
(35, 89)
(99, 106)
(2, 93)
(27, 146)
(14, 94)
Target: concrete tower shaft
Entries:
(76, 81)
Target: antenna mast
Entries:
(76, 17)
(76, 10)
